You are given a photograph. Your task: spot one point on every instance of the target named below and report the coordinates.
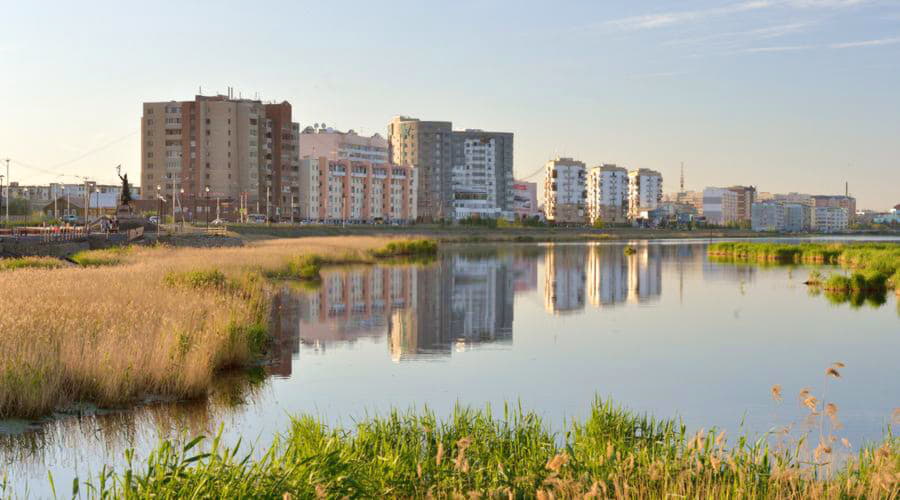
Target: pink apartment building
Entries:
(357, 191)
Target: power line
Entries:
(49, 170)
(529, 176)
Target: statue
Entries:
(126, 189)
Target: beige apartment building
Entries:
(317, 142)
(351, 191)
(240, 150)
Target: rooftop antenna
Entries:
(846, 189)
(200, 89)
(682, 177)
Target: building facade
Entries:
(720, 206)
(462, 174)
(338, 191)
(607, 193)
(481, 181)
(645, 191)
(565, 191)
(830, 219)
(848, 203)
(316, 142)
(238, 149)
(746, 197)
(428, 147)
(780, 216)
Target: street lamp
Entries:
(99, 214)
(158, 210)
(182, 210)
(206, 208)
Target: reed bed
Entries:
(875, 266)
(150, 326)
(613, 453)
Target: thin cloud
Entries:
(673, 18)
(735, 37)
(783, 48)
(866, 43)
(663, 19)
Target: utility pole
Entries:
(87, 204)
(267, 205)
(8, 182)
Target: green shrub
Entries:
(407, 248)
(201, 279)
(103, 257)
(30, 263)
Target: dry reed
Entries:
(112, 335)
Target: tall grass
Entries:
(163, 322)
(474, 453)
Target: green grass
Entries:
(200, 279)
(30, 263)
(629, 251)
(611, 453)
(407, 248)
(308, 267)
(104, 257)
(876, 266)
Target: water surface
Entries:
(664, 331)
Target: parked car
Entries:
(256, 219)
(218, 222)
(154, 219)
(70, 219)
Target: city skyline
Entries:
(751, 93)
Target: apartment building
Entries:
(848, 203)
(644, 191)
(223, 147)
(356, 191)
(565, 191)
(607, 193)
(426, 146)
(317, 142)
(482, 175)
(829, 219)
(462, 174)
(780, 216)
(746, 197)
(720, 206)
(525, 202)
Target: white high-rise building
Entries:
(607, 193)
(565, 191)
(830, 219)
(644, 191)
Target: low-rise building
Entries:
(607, 193)
(350, 191)
(829, 219)
(779, 216)
(525, 204)
(565, 191)
(720, 206)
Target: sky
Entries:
(786, 95)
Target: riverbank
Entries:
(466, 233)
(475, 453)
(145, 321)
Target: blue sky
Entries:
(788, 95)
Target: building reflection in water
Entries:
(602, 274)
(466, 298)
